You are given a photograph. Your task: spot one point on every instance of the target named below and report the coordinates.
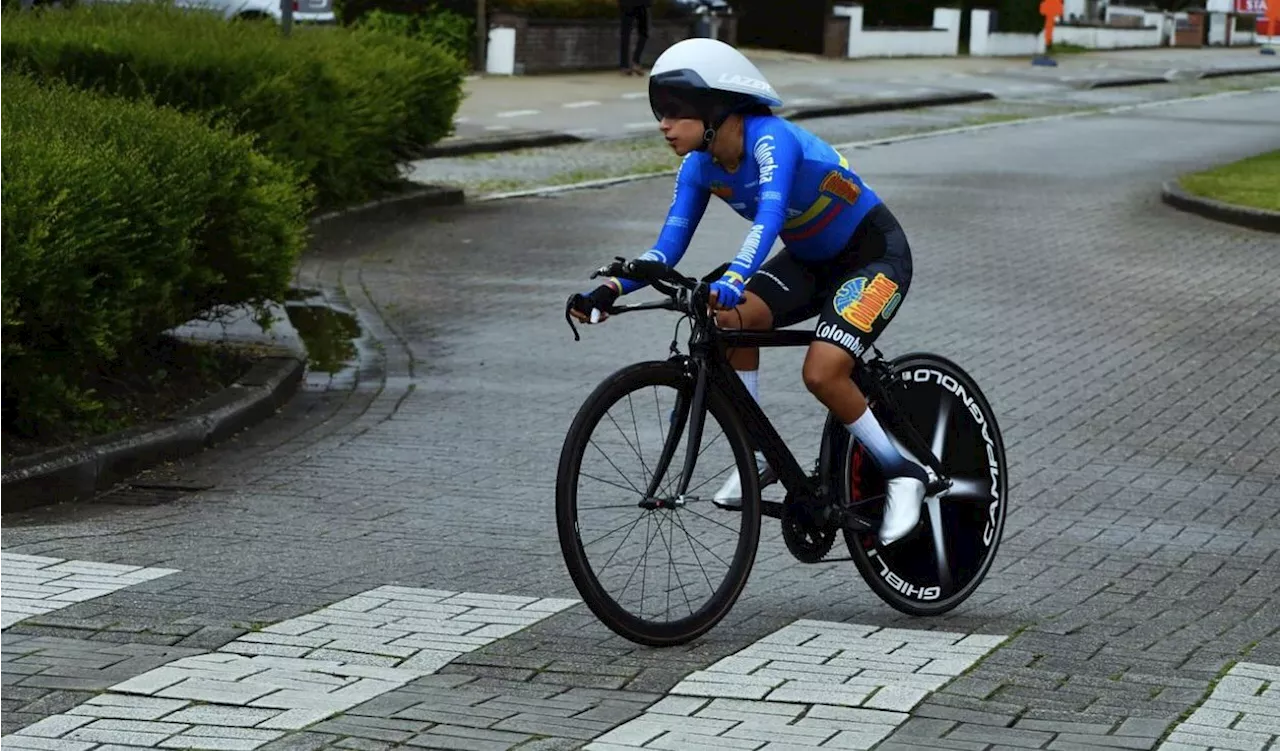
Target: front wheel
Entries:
(945, 559)
(658, 569)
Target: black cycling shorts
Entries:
(854, 294)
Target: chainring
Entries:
(807, 544)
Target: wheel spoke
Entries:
(615, 468)
(939, 544)
(969, 489)
(636, 427)
(940, 429)
(631, 445)
(704, 517)
(671, 568)
(631, 523)
(732, 465)
(677, 520)
(606, 482)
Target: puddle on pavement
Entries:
(294, 294)
(329, 335)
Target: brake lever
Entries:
(569, 318)
(612, 269)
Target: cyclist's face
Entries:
(683, 134)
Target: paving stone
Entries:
(1005, 736)
(363, 744)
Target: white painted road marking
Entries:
(812, 684)
(33, 585)
(518, 113)
(579, 105)
(292, 674)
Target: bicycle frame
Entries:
(709, 366)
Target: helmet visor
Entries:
(676, 102)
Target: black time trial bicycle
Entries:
(609, 522)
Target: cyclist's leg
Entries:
(860, 305)
(775, 295)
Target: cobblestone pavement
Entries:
(1131, 352)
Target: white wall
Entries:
(942, 41)
(985, 43)
(1103, 38)
(1242, 38)
(1115, 11)
(500, 51)
(1218, 27)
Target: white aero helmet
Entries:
(706, 79)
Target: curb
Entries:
(884, 105)
(80, 471)
(418, 197)
(1107, 83)
(495, 144)
(1243, 71)
(1243, 216)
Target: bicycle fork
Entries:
(685, 406)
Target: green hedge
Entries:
(1018, 16)
(445, 29)
(343, 106)
(121, 220)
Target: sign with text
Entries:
(1252, 7)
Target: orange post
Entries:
(1051, 9)
(1272, 14)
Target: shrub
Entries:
(122, 219)
(443, 28)
(1019, 16)
(586, 8)
(342, 106)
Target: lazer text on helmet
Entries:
(737, 79)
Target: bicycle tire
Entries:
(896, 574)
(669, 373)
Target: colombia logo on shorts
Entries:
(859, 302)
(723, 190)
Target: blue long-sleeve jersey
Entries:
(790, 184)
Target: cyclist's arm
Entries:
(778, 155)
(687, 207)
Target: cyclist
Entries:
(845, 257)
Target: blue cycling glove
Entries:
(728, 289)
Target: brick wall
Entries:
(1190, 33)
(547, 45)
(836, 37)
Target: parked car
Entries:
(304, 11)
